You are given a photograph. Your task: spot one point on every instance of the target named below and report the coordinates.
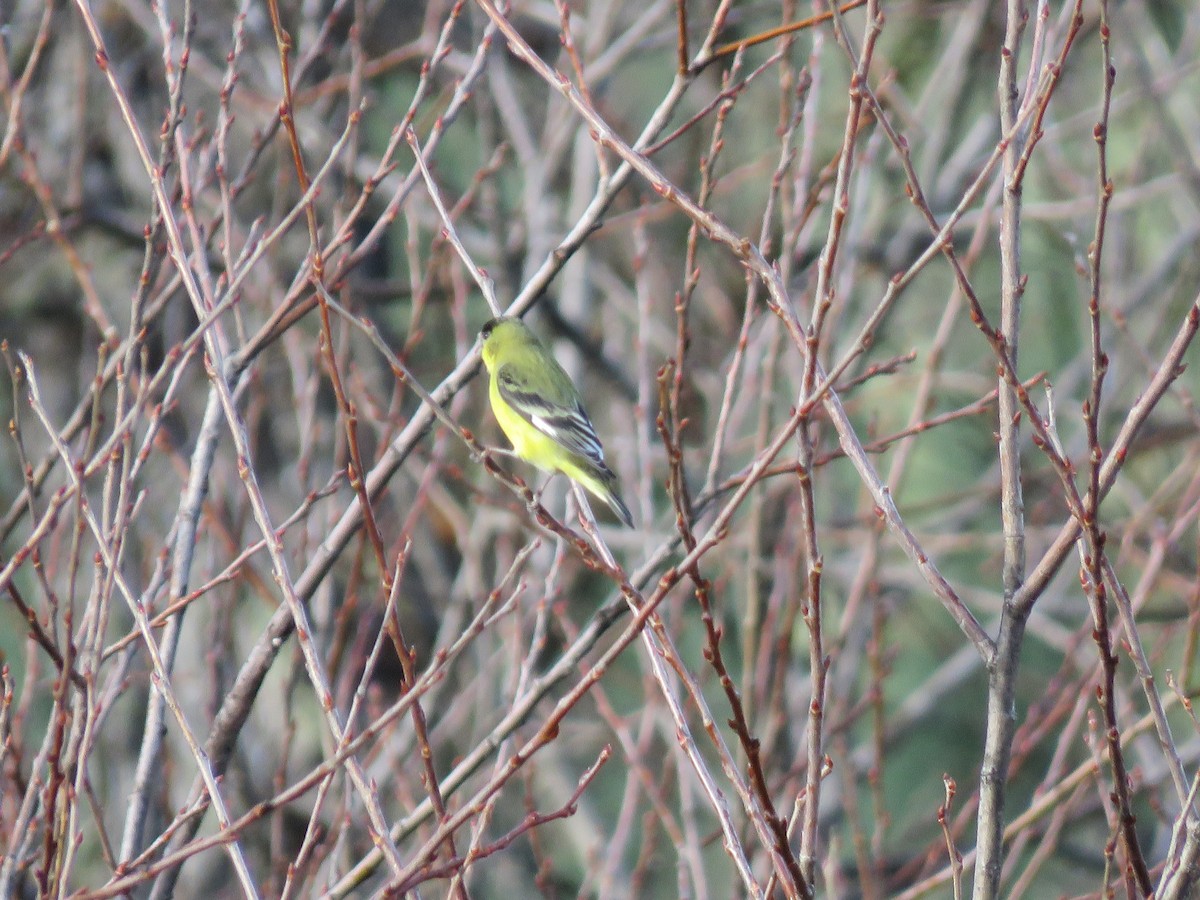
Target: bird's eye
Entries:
(486, 331)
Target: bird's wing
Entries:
(566, 424)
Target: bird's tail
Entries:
(617, 505)
(602, 482)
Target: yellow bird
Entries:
(539, 409)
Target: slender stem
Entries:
(1002, 671)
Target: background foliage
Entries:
(871, 313)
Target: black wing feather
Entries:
(569, 426)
